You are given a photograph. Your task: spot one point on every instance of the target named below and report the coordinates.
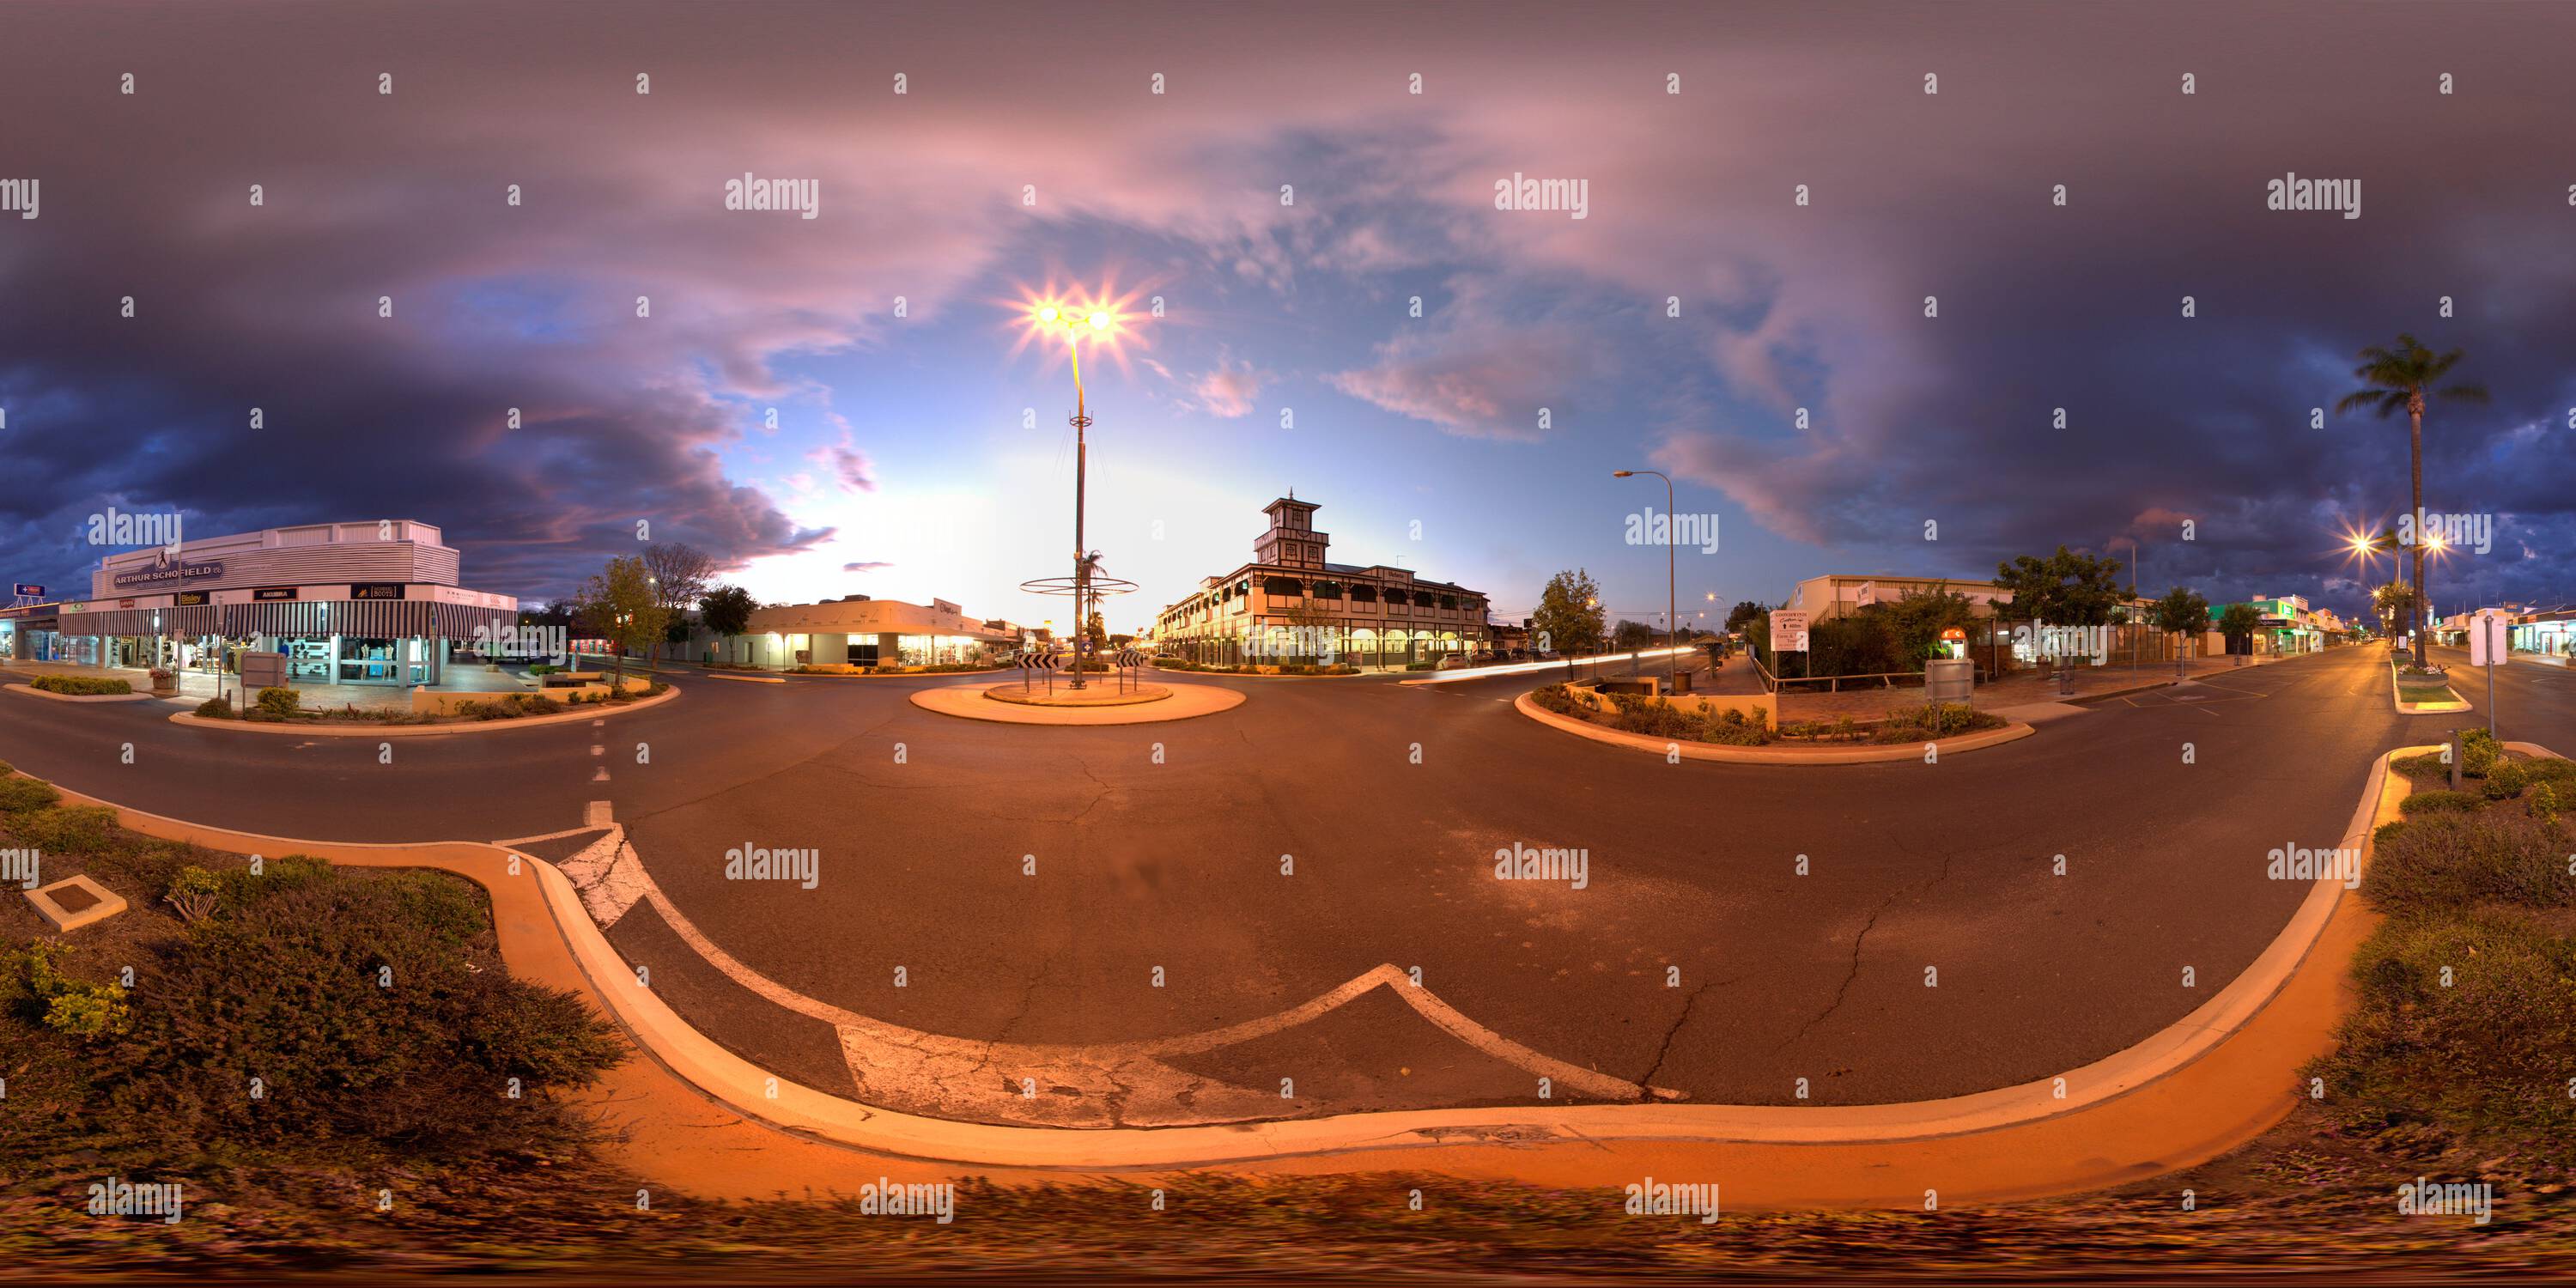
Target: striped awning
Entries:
(357, 619)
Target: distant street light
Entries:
(1672, 619)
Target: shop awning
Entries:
(360, 619)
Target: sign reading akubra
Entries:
(166, 571)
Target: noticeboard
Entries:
(1788, 630)
(263, 671)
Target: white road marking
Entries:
(597, 813)
(1112, 1083)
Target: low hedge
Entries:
(81, 686)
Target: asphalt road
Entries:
(1027, 883)
(2534, 702)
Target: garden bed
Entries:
(1651, 717)
(2466, 1025)
(283, 707)
(371, 1005)
(81, 686)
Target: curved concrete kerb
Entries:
(34, 692)
(2190, 1092)
(1775, 754)
(1098, 695)
(973, 702)
(365, 729)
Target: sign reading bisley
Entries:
(165, 572)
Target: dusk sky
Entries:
(1544, 356)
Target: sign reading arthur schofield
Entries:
(166, 571)
(376, 590)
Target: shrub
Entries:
(1931, 721)
(544, 668)
(1555, 698)
(1734, 728)
(67, 829)
(2505, 779)
(2478, 752)
(194, 892)
(1652, 717)
(81, 686)
(2430, 802)
(19, 795)
(656, 689)
(215, 709)
(2450, 860)
(295, 975)
(2542, 802)
(277, 703)
(89, 1011)
(31, 988)
(2555, 769)
(2455, 1015)
(538, 704)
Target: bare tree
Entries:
(681, 574)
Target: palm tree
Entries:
(2401, 377)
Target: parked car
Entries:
(1452, 662)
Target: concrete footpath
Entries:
(700, 1120)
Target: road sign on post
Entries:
(1788, 631)
(2490, 644)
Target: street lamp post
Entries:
(1074, 328)
(1672, 619)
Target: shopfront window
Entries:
(369, 661)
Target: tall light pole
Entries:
(2135, 558)
(1672, 619)
(1074, 324)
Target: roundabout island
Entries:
(1012, 702)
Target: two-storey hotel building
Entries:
(1292, 603)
